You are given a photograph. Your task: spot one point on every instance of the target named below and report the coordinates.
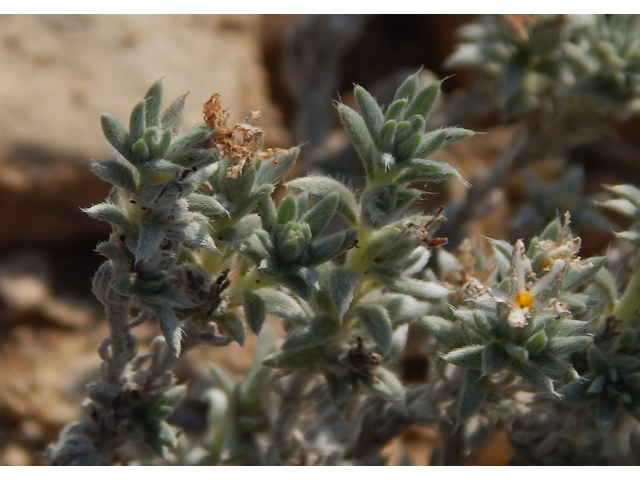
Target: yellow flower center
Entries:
(524, 300)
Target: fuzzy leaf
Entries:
(421, 170)
(115, 133)
(114, 253)
(319, 187)
(360, 137)
(342, 285)
(149, 239)
(494, 358)
(137, 122)
(370, 111)
(254, 310)
(268, 213)
(207, 204)
(399, 340)
(423, 101)
(470, 356)
(153, 102)
(293, 359)
(420, 288)
(376, 321)
(172, 116)
(532, 375)
(170, 326)
(568, 345)
(321, 214)
(330, 247)
(386, 384)
(281, 305)
(108, 212)
(271, 169)
(439, 327)
(288, 210)
(233, 324)
(474, 394)
(408, 88)
(396, 110)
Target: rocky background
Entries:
(58, 73)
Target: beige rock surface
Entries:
(58, 73)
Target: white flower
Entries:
(525, 293)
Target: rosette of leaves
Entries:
(591, 59)
(525, 323)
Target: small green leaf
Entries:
(420, 288)
(281, 305)
(423, 101)
(115, 133)
(494, 358)
(207, 204)
(288, 210)
(321, 214)
(137, 122)
(170, 326)
(474, 394)
(470, 356)
(149, 239)
(385, 384)
(360, 137)
(293, 359)
(569, 345)
(268, 213)
(342, 285)
(439, 327)
(108, 212)
(376, 321)
(370, 111)
(233, 324)
(172, 116)
(320, 187)
(153, 102)
(332, 246)
(408, 88)
(254, 310)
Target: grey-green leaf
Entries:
(376, 321)
(342, 285)
(319, 187)
(254, 309)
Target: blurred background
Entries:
(59, 73)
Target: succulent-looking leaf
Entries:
(288, 210)
(470, 356)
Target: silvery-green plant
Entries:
(527, 338)
(198, 242)
(573, 61)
